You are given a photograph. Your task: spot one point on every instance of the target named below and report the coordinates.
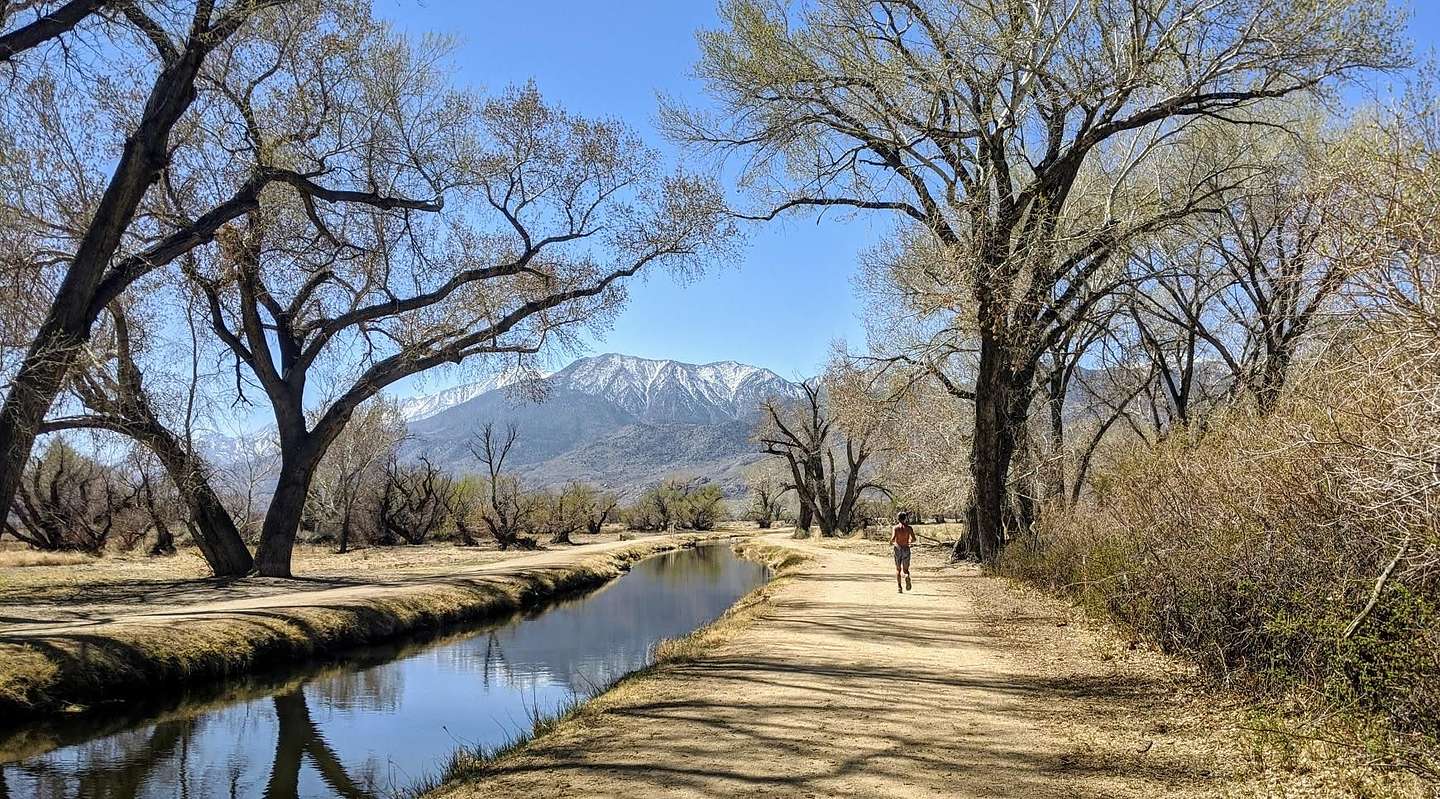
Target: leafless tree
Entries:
(564, 210)
(413, 503)
(766, 498)
(1027, 140)
(68, 502)
(354, 467)
(173, 183)
(506, 511)
(806, 437)
(111, 390)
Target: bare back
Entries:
(902, 536)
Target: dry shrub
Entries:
(1256, 546)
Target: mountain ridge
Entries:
(620, 421)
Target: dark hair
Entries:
(901, 516)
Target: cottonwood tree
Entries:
(1023, 138)
(413, 502)
(68, 502)
(547, 215)
(561, 513)
(104, 134)
(124, 173)
(767, 492)
(112, 395)
(806, 436)
(506, 510)
(703, 506)
(596, 505)
(1267, 267)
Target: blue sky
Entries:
(789, 294)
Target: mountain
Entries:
(412, 408)
(615, 420)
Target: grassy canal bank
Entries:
(72, 665)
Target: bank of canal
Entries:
(384, 718)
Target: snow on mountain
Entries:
(671, 391)
(427, 405)
(616, 420)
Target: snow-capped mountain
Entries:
(419, 407)
(670, 391)
(616, 420)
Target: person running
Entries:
(901, 538)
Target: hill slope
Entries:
(613, 420)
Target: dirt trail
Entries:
(840, 686)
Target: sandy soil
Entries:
(43, 588)
(840, 686)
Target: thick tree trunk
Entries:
(216, 535)
(1001, 398)
(282, 518)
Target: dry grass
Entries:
(77, 665)
(64, 587)
(25, 558)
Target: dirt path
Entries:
(840, 686)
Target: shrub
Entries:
(1300, 546)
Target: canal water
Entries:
(383, 719)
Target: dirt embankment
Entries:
(64, 665)
(830, 683)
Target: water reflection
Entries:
(374, 725)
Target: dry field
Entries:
(51, 587)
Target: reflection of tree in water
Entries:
(375, 689)
(574, 645)
(298, 737)
(586, 643)
(137, 756)
(121, 766)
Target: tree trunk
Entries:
(1055, 470)
(164, 539)
(282, 518)
(73, 311)
(1001, 398)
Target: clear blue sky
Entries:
(789, 295)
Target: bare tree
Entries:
(506, 512)
(766, 498)
(354, 467)
(110, 387)
(413, 503)
(68, 502)
(806, 437)
(564, 209)
(1023, 138)
(122, 228)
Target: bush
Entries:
(1258, 546)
